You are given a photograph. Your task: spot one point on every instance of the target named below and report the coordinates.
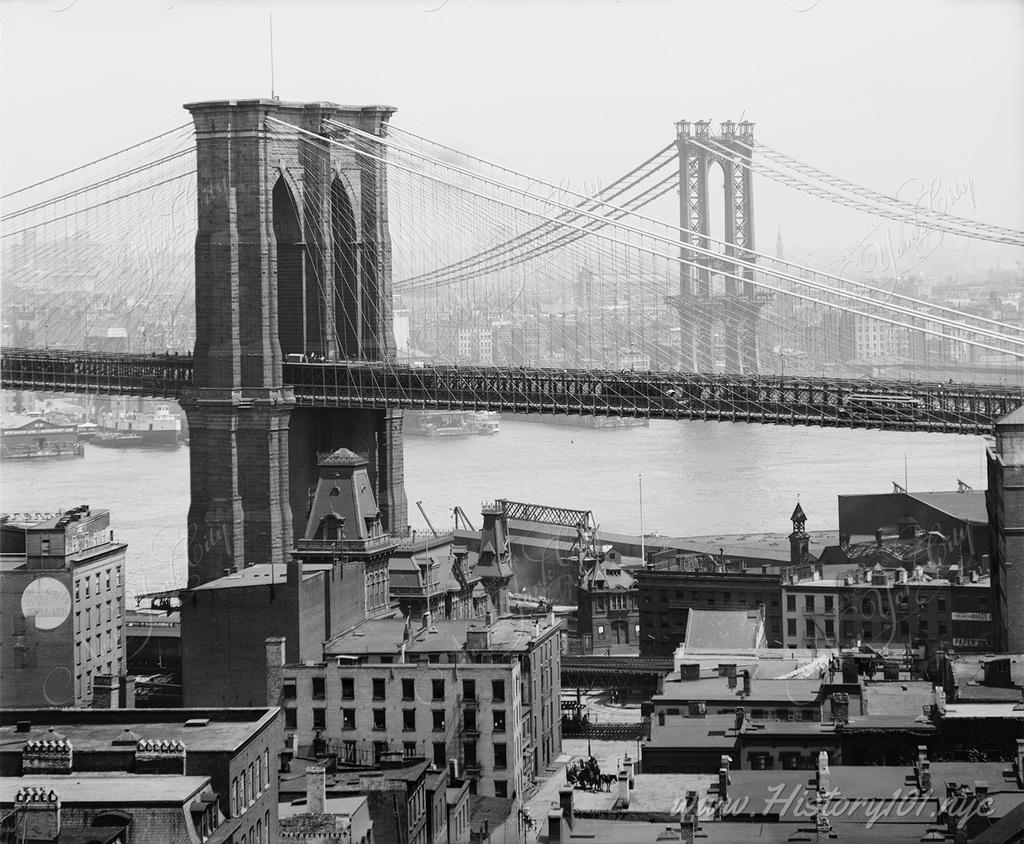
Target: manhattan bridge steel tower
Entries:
(716, 311)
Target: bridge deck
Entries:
(822, 402)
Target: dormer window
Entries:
(332, 527)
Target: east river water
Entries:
(698, 478)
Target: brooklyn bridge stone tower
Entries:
(293, 257)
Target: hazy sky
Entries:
(878, 92)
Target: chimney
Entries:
(623, 801)
(940, 700)
(160, 757)
(822, 827)
(48, 756)
(127, 691)
(723, 784)
(840, 708)
(878, 538)
(741, 716)
(627, 766)
(924, 776)
(39, 808)
(106, 692)
(746, 683)
(426, 620)
(565, 803)
(316, 789)
(555, 825)
(824, 775)
(275, 669)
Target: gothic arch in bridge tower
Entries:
(294, 298)
(348, 304)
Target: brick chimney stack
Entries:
(40, 809)
(160, 757)
(275, 669)
(48, 756)
(316, 789)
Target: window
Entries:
(497, 690)
(469, 689)
(319, 718)
(348, 751)
(440, 754)
(234, 797)
(726, 597)
(319, 689)
(500, 788)
(867, 630)
(408, 689)
(469, 753)
(905, 628)
(409, 720)
(438, 720)
(348, 688)
(848, 629)
(942, 628)
(830, 627)
(500, 756)
(469, 720)
(790, 626)
(499, 720)
(438, 689)
(867, 607)
(809, 603)
(380, 720)
(348, 719)
(809, 628)
(378, 688)
(791, 603)
(290, 722)
(829, 600)
(379, 749)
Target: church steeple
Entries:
(799, 541)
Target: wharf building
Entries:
(1005, 503)
(135, 777)
(888, 609)
(61, 606)
(485, 694)
(337, 577)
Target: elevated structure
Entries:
(292, 258)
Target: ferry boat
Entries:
(30, 437)
(578, 421)
(160, 429)
(450, 423)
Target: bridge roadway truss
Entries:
(821, 402)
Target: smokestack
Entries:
(555, 826)
(723, 784)
(623, 801)
(824, 777)
(746, 683)
(316, 789)
(565, 803)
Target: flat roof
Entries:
(386, 636)
(894, 697)
(95, 729)
(346, 805)
(109, 789)
(260, 574)
(717, 688)
(985, 710)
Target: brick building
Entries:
(1005, 504)
(158, 774)
(886, 608)
(61, 607)
(608, 601)
(483, 694)
(676, 584)
(338, 576)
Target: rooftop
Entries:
(717, 688)
(896, 698)
(261, 574)
(386, 636)
(724, 628)
(109, 788)
(94, 730)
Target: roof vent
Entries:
(197, 722)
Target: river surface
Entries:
(698, 478)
